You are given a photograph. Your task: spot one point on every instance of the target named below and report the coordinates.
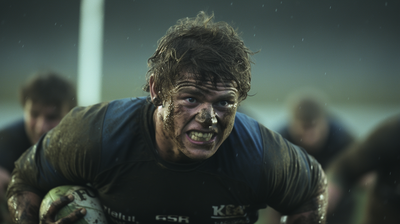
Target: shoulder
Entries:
(254, 138)
(14, 134)
(123, 118)
(124, 132)
(386, 133)
(14, 127)
(121, 110)
(250, 149)
(339, 135)
(337, 127)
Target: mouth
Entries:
(197, 136)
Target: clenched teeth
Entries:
(200, 136)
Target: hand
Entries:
(49, 216)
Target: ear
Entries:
(152, 90)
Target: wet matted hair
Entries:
(211, 51)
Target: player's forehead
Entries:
(188, 81)
(42, 107)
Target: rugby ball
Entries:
(83, 198)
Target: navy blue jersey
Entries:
(111, 146)
(338, 139)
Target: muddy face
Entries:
(195, 121)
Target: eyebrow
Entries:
(229, 96)
(191, 91)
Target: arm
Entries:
(296, 184)
(24, 196)
(314, 210)
(24, 207)
(64, 156)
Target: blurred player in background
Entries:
(313, 127)
(378, 152)
(46, 98)
(322, 135)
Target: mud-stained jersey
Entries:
(111, 146)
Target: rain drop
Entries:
(55, 24)
(254, 35)
(231, 3)
(302, 39)
(330, 7)
(262, 5)
(385, 3)
(276, 10)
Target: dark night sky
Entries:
(348, 48)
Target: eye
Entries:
(191, 100)
(223, 103)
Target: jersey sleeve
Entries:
(68, 154)
(293, 177)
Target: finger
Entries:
(58, 204)
(74, 216)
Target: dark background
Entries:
(348, 48)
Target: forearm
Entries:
(312, 212)
(24, 207)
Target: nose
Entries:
(207, 115)
(42, 125)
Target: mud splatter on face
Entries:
(203, 115)
(169, 118)
(229, 119)
(196, 119)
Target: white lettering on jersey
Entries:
(229, 211)
(118, 215)
(173, 218)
